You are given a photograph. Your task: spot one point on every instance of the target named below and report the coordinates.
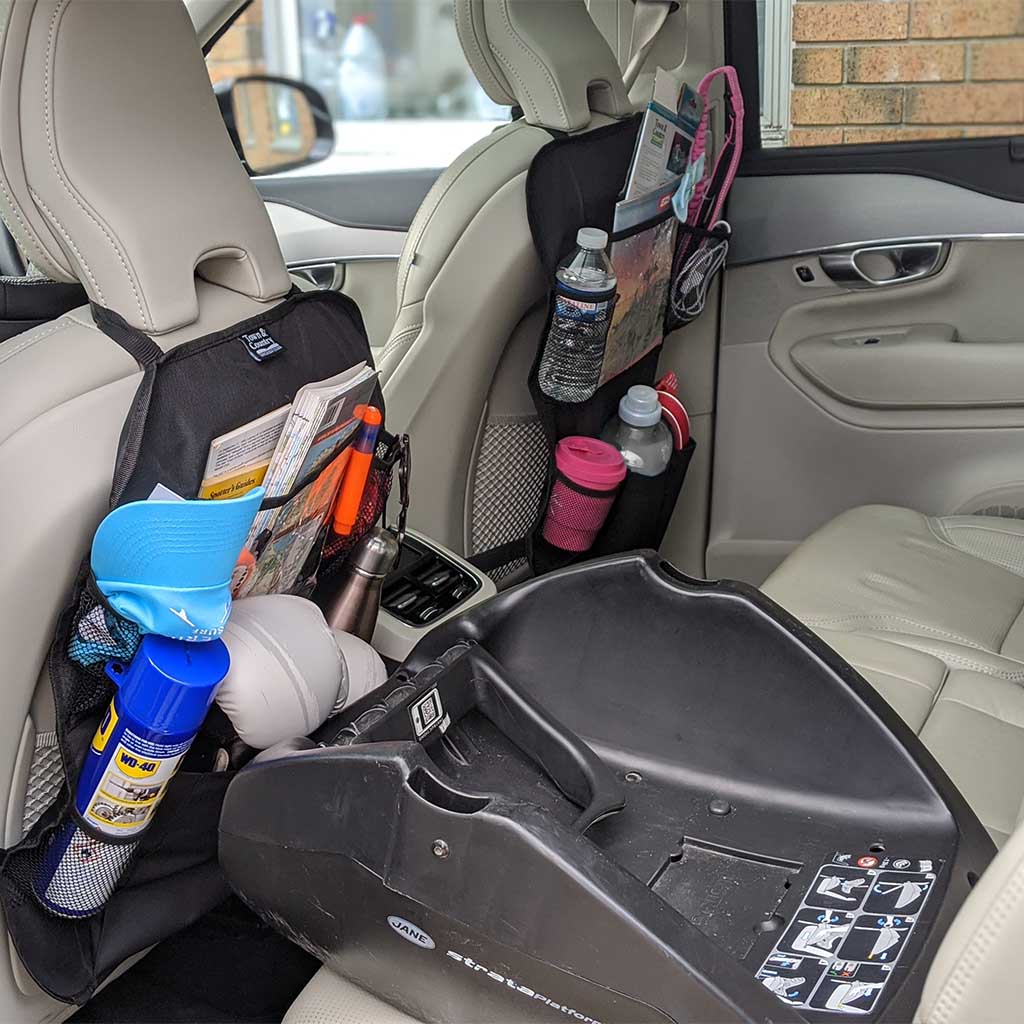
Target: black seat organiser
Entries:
(574, 182)
(187, 396)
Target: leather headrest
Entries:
(547, 56)
(115, 166)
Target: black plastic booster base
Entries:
(615, 794)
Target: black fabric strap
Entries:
(141, 347)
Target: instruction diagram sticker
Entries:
(838, 952)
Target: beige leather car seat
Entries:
(931, 612)
(469, 273)
(974, 979)
(115, 171)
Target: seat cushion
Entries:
(330, 999)
(931, 612)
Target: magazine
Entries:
(665, 137)
(643, 266)
(310, 459)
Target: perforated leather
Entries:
(976, 976)
(931, 612)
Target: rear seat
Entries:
(931, 612)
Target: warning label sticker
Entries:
(854, 922)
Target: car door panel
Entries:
(834, 396)
(384, 199)
(359, 261)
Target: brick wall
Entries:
(240, 50)
(894, 70)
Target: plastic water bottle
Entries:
(570, 368)
(362, 74)
(639, 433)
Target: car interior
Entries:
(761, 762)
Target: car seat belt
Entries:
(649, 17)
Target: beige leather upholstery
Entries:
(469, 271)
(976, 976)
(109, 193)
(931, 612)
(330, 999)
(115, 167)
(543, 56)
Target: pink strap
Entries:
(731, 144)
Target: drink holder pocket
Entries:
(569, 329)
(372, 509)
(76, 901)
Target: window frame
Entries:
(777, 75)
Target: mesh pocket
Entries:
(575, 514)
(98, 635)
(699, 256)
(573, 355)
(74, 874)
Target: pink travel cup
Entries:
(588, 476)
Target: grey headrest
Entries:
(546, 55)
(115, 167)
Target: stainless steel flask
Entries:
(356, 605)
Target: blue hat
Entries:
(167, 565)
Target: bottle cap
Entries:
(169, 685)
(640, 406)
(592, 238)
(376, 554)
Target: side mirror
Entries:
(276, 124)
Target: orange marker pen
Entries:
(350, 497)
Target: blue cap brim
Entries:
(167, 564)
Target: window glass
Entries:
(856, 71)
(392, 73)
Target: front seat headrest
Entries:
(115, 166)
(547, 56)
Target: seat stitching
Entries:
(883, 618)
(858, 664)
(981, 711)
(67, 238)
(536, 59)
(399, 340)
(7, 352)
(41, 258)
(58, 12)
(969, 663)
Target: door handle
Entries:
(324, 276)
(877, 266)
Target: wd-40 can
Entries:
(161, 700)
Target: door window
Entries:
(392, 73)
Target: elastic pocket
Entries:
(374, 503)
(644, 507)
(699, 255)
(98, 634)
(572, 354)
(575, 515)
